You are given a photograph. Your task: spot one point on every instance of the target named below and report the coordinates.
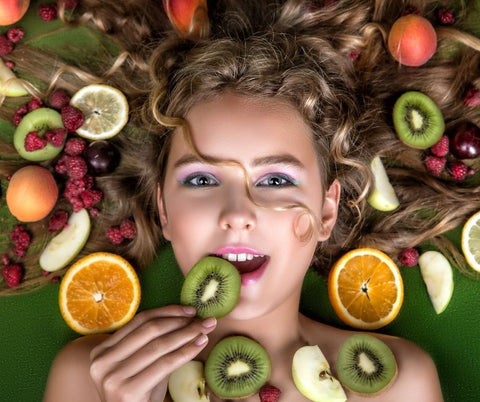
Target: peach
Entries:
(412, 40)
(12, 11)
(187, 16)
(31, 193)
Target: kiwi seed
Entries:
(365, 364)
(237, 367)
(417, 119)
(212, 286)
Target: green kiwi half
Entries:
(417, 119)
(365, 364)
(212, 286)
(237, 367)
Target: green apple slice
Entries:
(312, 376)
(10, 88)
(187, 383)
(383, 196)
(65, 246)
(438, 277)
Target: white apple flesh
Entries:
(8, 84)
(187, 383)
(383, 196)
(312, 376)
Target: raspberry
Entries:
(76, 167)
(472, 98)
(15, 34)
(47, 12)
(58, 99)
(72, 118)
(91, 197)
(441, 148)
(5, 259)
(6, 45)
(75, 187)
(18, 115)
(458, 170)
(354, 55)
(75, 146)
(21, 240)
(34, 103)
(10, 64)
(128, 229)
(58, 221)
(56, 136)
(61, 166)
(409, 257)
(68, 4)
(269, 393)
(33, 142)
(435, 164)
(93, 212)
(445, 17)
(114, 235)
(12, 274)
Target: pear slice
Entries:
(312, 376)
(438, 277)
(187, 383)
(7, 87)
(65, 246)
(383, 196)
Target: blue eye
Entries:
(200, 180)
(276, 180)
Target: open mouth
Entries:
(244, 262)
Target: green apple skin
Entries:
(65, 246)
(312, 376)
(437, 274)
(187, 383)
(38, 120)
(12, 88)
(383, 196)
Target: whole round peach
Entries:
(412, 40)
(31, 193)
(12, 11)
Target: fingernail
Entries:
(189, 310)
(201, 340)
(209, 322)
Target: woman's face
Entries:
(205, 209)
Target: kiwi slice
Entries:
(417, 119)
(365, 364)
(212, 286)
(237, 367)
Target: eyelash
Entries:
(209, 180)
(285, 180)
(189, 180)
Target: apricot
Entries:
(12, 11)
(189, 17)
(412, 40)
(31, 193)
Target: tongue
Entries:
(248, 266)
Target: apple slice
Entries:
(438, 277)
(187, 383)
(383, 196)
(7, 87)
(312, 376)
(68, 243)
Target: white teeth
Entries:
(240, 257)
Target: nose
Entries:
(238, 212)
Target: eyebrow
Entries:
(281, 159)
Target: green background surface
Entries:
(32, 330)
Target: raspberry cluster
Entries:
(12, 272)
(21, 240)
(8, 40)
(126, 230)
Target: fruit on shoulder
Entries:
(237, 367)
(212, 286)
(7, 87)
(438, 277)
(11, 11)
(313, 378)
(365, 364)
(187, 383)
(383, 196)
(65, 246)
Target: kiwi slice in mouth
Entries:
(417, 119)
(212, 286)
(365, 364)
(237, 367)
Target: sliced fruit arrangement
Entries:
(212, 286)
(366, 365)
(417, 119)
(99, 293)
(187, 383)
(438, 277)
(312, 376)
(471, 241)
(365, 288)
(9, 85)
(383, 195)
(237, 367)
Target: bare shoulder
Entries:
(69, 377)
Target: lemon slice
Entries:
(105, 109)
(471, 241)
